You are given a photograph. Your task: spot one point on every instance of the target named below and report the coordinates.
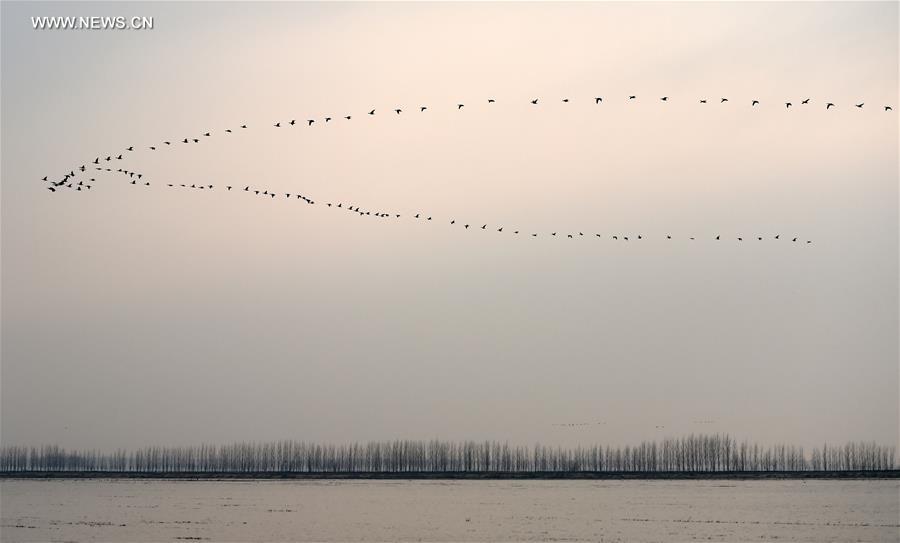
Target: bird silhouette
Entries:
(755, 102)
(597, 100)
(805, 101)
(327, 119)
(664, 98)
(535, 101)
(372, 112)
(860, 105)
(491, 100)
(565, 100)
(888, 108)
(422, 108)
(787, 105)
(829, 105)
(293, 122)
(348, 117)
(132, 147)
(277, 125)
(398, 110)
(459, 106)
(703, 100)
(632, 97)
(309, 122)
(723, 100)
(243, 126)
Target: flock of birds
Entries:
(74, 179)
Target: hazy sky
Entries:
(137, 315)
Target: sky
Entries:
(139, 315)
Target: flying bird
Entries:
(888, 108)
(703, 100)
(860, 105)
(723, 100)
(398, 110)
(535, 101)
(829, 105)
(565, 100)
(277, 125)
(787, 105)
(754, 103)
(422, 108)
(491, 100)
(664, 98)
(632, 97)
(459, 106)
(293, 122)
(372, 112)
(805, 101)
(597, 100)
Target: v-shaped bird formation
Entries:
(79, 180)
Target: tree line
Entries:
(693, 453)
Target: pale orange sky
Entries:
(136, 316)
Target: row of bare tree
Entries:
(693, 453)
